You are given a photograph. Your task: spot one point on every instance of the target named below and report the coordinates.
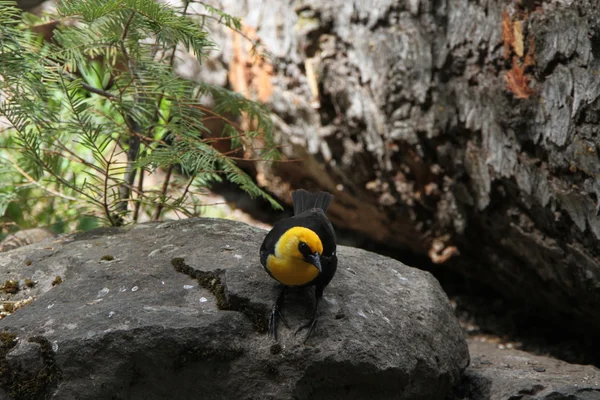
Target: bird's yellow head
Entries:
(299, 243)
(296, 260)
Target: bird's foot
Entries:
(311, 325)
(273, 319)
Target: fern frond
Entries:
(101, 102)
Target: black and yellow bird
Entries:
(300, 251)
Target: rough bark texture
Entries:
(463, 130)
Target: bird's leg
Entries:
(312, 324)
(276, 312)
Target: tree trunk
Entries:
(461, 130)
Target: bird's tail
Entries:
(304, 200)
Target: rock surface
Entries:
(497, 374)
(178, 310)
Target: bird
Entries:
(300, 251)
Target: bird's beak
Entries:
(314, 259)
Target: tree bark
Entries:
(463, 130)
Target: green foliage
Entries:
(85, 115)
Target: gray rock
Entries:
(125, 324)
(496, 374)
(26, 355)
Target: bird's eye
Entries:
(304, 249)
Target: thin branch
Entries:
(128, 183)
(84, 85)
(100, 92)
(140, 192)
(93, 166)
(35, 182)
(129, 174)
(187, 187)
(134, 126)
(126, 53)
(218, 116)
(255, 44)
(157, 113)
(76, 158)
(105, 191)
(127, 24)
(163, 194)
(46, 167)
